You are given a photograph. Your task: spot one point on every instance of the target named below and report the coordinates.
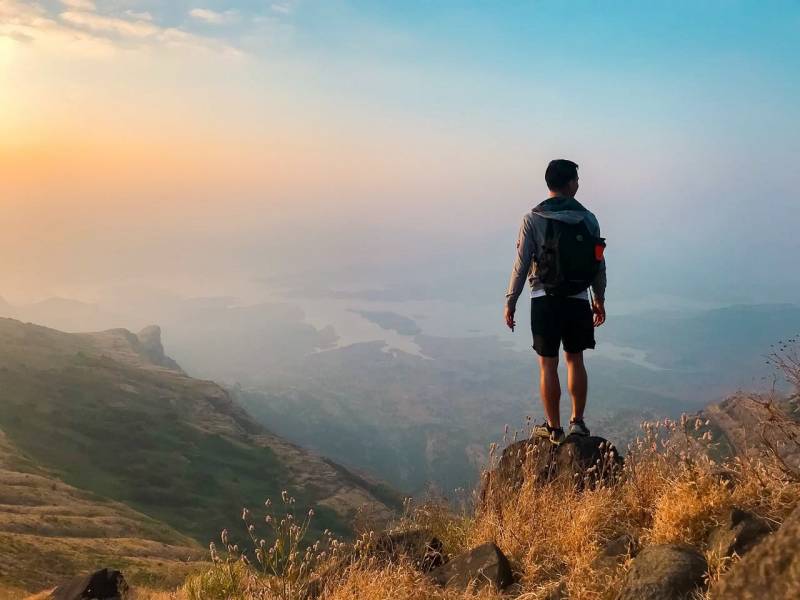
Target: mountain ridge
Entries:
(103, 412)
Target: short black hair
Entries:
(559, 173)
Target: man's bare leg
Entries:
(577, 383)
(550, 389)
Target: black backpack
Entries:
(569, 258)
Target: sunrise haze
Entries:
(197, 144)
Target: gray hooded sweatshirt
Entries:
(531, 239)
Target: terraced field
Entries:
(50, 530)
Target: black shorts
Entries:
(556, 320)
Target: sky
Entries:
(203, 146)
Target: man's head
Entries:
(562, 177)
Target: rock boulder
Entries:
(483, 566)
(105, 584)
(740, 531)
(425, 551)
(770, 570)
(582, 461)
(664, 572)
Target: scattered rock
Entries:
(425, 551)
(614, 552)
(105, 584)
(481, 566)
(770, 570)
(580, 460)
(664, 572)
(740, 531)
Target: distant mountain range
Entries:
(93, 421)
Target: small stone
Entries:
(483, 566)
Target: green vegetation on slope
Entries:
(172, 447)
(49, 531)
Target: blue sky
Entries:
(385, 122)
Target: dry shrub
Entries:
(369, 581)
(222, 581)
(689, 507)
(548, 531)
(436, 516)
(147, 594)
(670, 490)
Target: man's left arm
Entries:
(599, 290)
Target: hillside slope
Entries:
(745, 424)
(50, 530)
(109, 413)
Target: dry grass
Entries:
(393, 582)
(669, 491)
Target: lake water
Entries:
(440, 319)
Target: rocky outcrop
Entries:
(664, 572)
(740, 531)
(105, 584)
(770, 570)
(580, 461)
(483, 566)
(150, 345)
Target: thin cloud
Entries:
(101, 23)
(213, 17)
(22, 38)
(89, 34)
(140, 15)
(31, 24)
(80, 4)
(281, 7)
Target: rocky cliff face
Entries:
(150, 344)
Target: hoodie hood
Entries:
(561, 208)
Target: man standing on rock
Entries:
(560, 251)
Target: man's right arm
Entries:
(522, 266)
